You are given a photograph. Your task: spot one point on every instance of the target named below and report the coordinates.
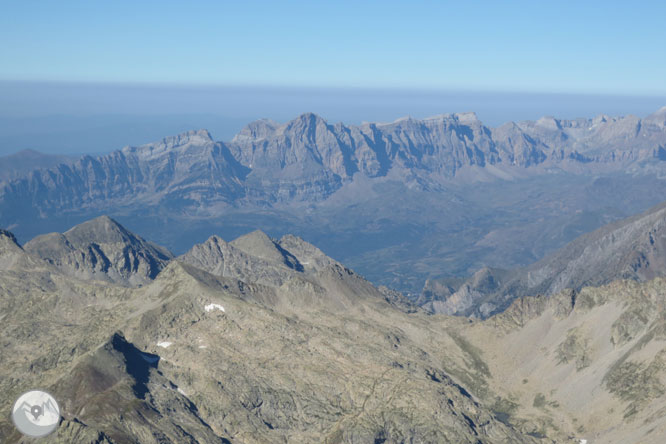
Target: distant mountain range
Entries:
(309, 159)
(402, 202)
(18, 164)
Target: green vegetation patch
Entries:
(539, 401)
(575, 348)
(628, 326)
(504, 409)
(637, 383)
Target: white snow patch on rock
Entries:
(203, 346)
(180, 390)
(164, 344)
(211, 307)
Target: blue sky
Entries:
(608, 47)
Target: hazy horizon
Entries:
(76, 118)
(89, 77)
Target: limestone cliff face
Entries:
(308, 159)
(185, 170)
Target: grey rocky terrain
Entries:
(632, 248)
(199, 357)
(261, 340)
(101, 249)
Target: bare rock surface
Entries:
(102, 249)
(216, 349)
(633, 248)
(202, 358)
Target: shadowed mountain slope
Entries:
(101, 249)
(633, 248)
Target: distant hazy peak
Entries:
(658, 117)
(190, 136)
(27, 153)
(309, 117)
(257, 130)
(466, 117)
(549, 122)
(304, 121)
(193, 137)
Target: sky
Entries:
(165, 65)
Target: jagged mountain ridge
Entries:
(256, 257)
(443, 144)
(323, 357)
(101, 249)
(365, 192)
(632, 248)
(308, 159)
(190, 167)
(206, 358)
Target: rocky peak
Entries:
(309, 256)
(304, 126)
(658, 117)
(102, 249)
(467, 118)
(13, 256)
(549, 123)
(102, 229)
(258, 244)
(8, 238)
(199, 137)
(256, 131)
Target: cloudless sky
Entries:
(538, 46)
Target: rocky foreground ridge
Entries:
(260, 340)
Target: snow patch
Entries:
(582, 441)
(203, 346)
(164, 344)
(180, 390)
(211, 307)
